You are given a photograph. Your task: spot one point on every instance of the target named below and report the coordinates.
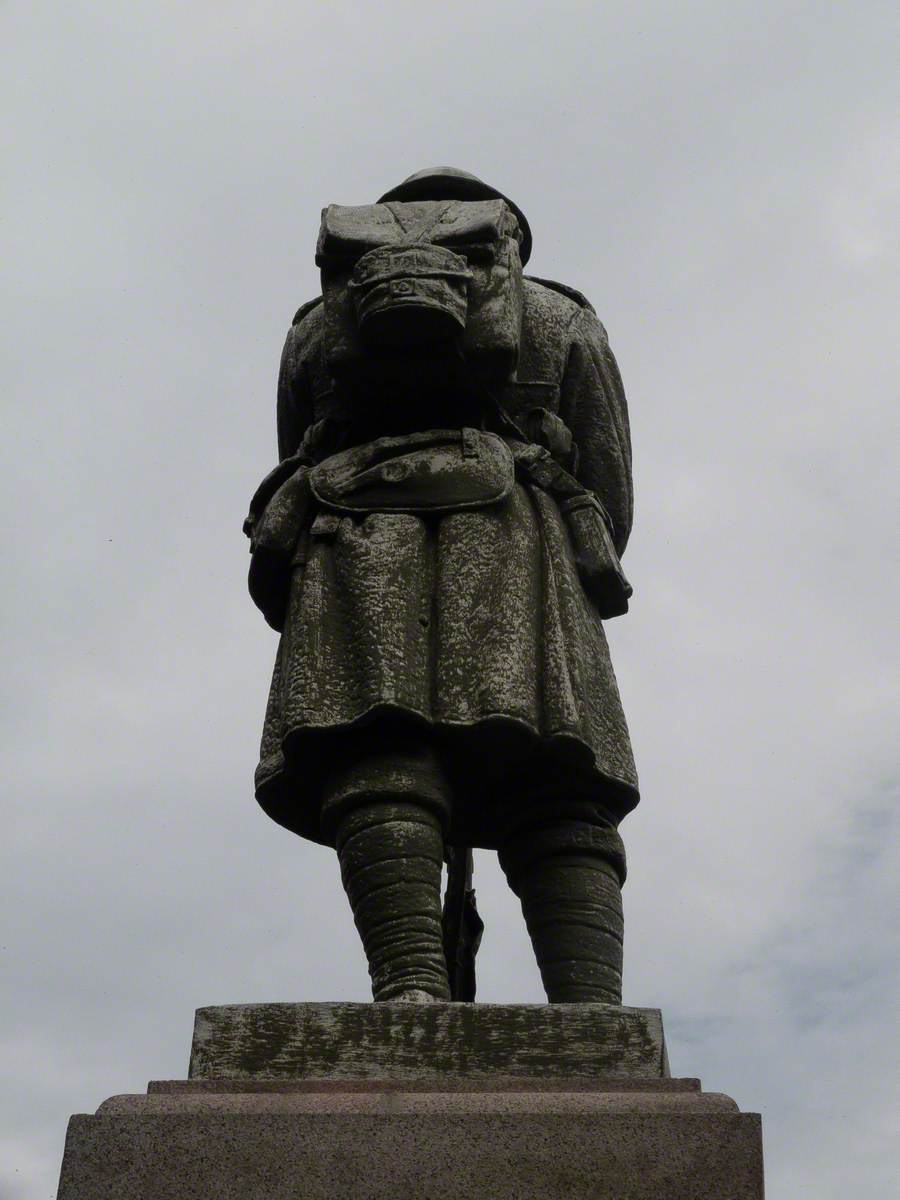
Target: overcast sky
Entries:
(722, 179)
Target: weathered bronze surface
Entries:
(438, 548)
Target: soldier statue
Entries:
(439, 547)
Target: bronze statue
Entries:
(438, 548)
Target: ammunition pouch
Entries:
(595, 555)
(589, 527)
(277, 519)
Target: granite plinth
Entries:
(438, 1122)
(636, 1155)
(405, 1041)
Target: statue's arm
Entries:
(593, 405)
(279, 505)
(294, 410)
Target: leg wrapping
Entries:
(391, 856)
(568, 879)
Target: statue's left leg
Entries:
(568, 875)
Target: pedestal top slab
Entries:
(415, 1041)
(392, 1103)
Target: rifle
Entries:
(462, 926)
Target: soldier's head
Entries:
(450, 183)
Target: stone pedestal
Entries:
(307, 1101)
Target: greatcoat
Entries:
(470, 628)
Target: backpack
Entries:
(421, 277)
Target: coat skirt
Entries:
(470, 629)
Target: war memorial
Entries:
(439, 547)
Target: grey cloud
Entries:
(721, 181)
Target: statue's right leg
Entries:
(388, 814)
